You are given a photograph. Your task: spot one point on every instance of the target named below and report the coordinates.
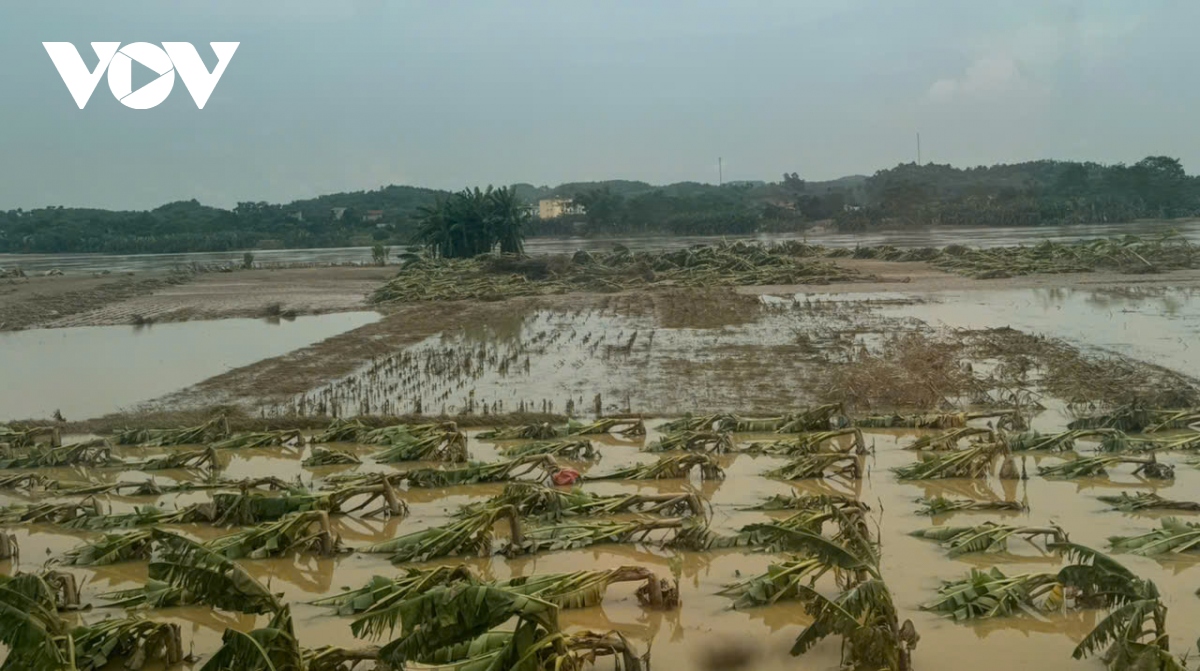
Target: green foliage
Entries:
(473, 222)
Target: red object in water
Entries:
(565, 476)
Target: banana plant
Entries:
(678, 466)
(820, 418)
(1147, 501)
(12, 436)
(91, 453)
(448, 445)
(782, 582)
(321, 456)
(949, 420)
(941, 505)
(972, 462)
(298, 532)
(572, 450)
(239, 441)
(1173, 536)
(810, 443)
(548, 503)
(471, 536)
(808, 502)
(711, 442)
(214, 429)
(984, 594)
(989, 537)
(1098, 466)
(819, 465)
(948, 440)
(702, 423)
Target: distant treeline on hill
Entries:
(1037, 193)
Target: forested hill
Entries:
(1033, 193)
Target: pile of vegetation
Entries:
(492, 277)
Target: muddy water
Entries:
(682, 639)
(89, 371)
(936, 237)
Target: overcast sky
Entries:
(326, 96)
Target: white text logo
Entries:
(172, 57)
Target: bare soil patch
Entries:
(38, 302)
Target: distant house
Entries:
(373, 215)
(337, 213)
(550, 208)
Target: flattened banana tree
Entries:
(810, 443)
(275, 648)
(1147, 501)
(543, 465)
(471, 536)
(112, 548)
(984, 594)
(703, 423)
(572, 450)
(239, 441)
(990, 537)
(380, 592)
(948, 440)
(12, 436)
(92, 453)
(781, 582)
(342, 431)
(820, 418)
(1173, 536)
(678, 466)
(973, 462)
(1132, 419)
(25, 481)
(537, 501)
(38, 639)
(307, 532)
(1084, 467)
(808, 502)
(214, 429)
(449, 445)
(546, 431)
(62, 586)
(192, 459)
(940, 505)
(50, 513)
(321, 456)
(864, 615)
(820, 465)
(712, 442)
(404, 433)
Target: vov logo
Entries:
(172, 57)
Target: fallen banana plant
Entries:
(152, 488)
(241, 441)
(808, 502)
(50, 513)
(12, 437)
(571, 450)
(701, 423)
(112, 548)
(819, 465)
(25, 481)
(950, 420)
(712, 442)
(972, 462)
(940, 505)
(404, 433)
(984, 594)
(668, 468)
(822, 441)
(820, 418)
(275, 648)
(92, 453)
(307, 532)
(1131, 419)
(990, 537)
(781, 582)
(537, 501)
(60, 585)
(206, 573)
(948, 440)
(212, 430)
(449, 446)
(342, 431)
(472, 536)
(381, 593)
(546, 431)
(1098, 466)
(324, 457)
(192, 459)
(1173, 536)
(1147, 501)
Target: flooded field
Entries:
(705, 630)
(89, 371)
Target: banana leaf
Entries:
(342, 431)
(807, 502)
(678, 466)
(154, 594)
(208, 575)
(572, 450)
(26, 481)
(820, 418)
(133, 639)
(950, 420)
(271, 648)
(698, 423)
(38, 639)
(206, 457)
(1147, 501)
(12, 437)
(92, 453)
(50, 513)
(781, 582)
(471, 536)
(865, 617)
(380, 592)
(537, 501)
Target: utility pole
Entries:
(720, 172)
(918, 148)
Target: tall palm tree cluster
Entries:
(473, 222)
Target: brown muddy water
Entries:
(92, 370)
(685, 638)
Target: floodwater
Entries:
(88, 371)
(931, 237)
(682, 639)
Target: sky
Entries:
(324, 96)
